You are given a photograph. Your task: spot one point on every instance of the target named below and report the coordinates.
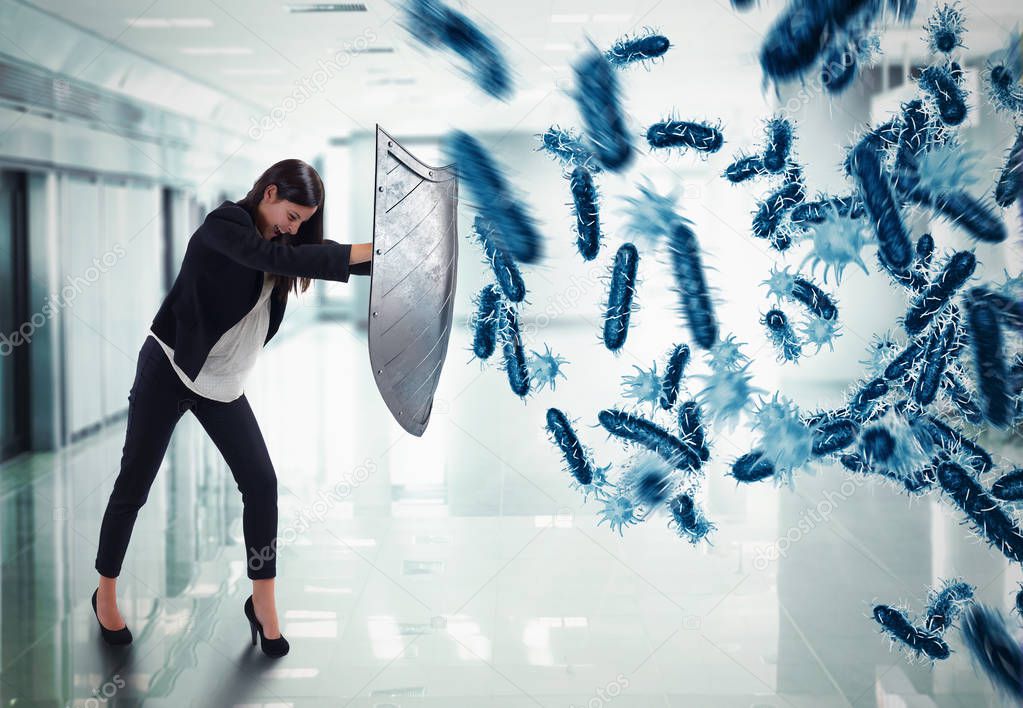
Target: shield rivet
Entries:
(380, 189)
(379, 251)
(390, 144)
(375, 314)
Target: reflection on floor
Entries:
(461, 570)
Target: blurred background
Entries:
(459, 569)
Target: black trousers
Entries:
(156, 402)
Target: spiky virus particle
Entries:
(621, 296)
(587, 213)
(485, 321)
(513, 353)
(644, 49)
(691, 285)
(651, 215)
(785, 440)
(1010, 180)
(1004, 90)
(567, 147)
(744, 168)
(726, 355)
(780, 283)
(435, 24)
(648, 481)
(752, 467)
(880, 351)
(916, 640)
(778, 138)
(599, 103)
(832, 434)
(782, 336)
(726, 394)
(691, 430)
(505, 270)
(685, 135)
(994, 649)
(640, 431)
(478, 171)
(1009, 487)
(619, 511)
(940, 86)
(945, 603)
(891, 448)
(687, 519)
(820, 332)
(577, 457)
(837, 242)
(678, 358)
(946, 168)
(544, 369)
(945, 29)
(644, 386)
(987, 516)
(988, 358)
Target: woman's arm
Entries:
(360, 260)
(230, 231)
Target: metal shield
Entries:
(412, 288)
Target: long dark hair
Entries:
(297, 182)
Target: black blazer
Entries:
(221, 277)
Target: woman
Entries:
(226, 303)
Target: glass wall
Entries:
(13, 304)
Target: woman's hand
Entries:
(361, 253)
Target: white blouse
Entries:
(229, 362)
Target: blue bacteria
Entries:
(620, 297)
(961, 398)
(492, 193)
(781, 334)
(777, 144)
(673, 372)
(890, 446)
(1010, 179)
(935, 358)
(687, 518)
(940, 85)
(691, 430)
(568, 148)
(641, 49)
(507, 273)
(988, 358)
(946, 603)
(833, 434)
(863, 402)
(1009, 487)
(544, 369)
(587, 214)
(487, 317)
(768, 220)
(690, 284)
(988, 517)
(640, 431)
(599, 103)
(744, 168)
(933, 432)
(436, 25)
(752, 467)
(938, 293)
(918, 641)
(577, 458)
(894, 247)
(513, 353)
(685, 135)
(994, 649)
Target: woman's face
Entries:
(275, 216)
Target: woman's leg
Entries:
(234, 430)
(155, 404)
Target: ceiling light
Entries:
(326, 7)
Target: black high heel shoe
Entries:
(111, 636)
(271, 647)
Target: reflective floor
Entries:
(461, 569)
